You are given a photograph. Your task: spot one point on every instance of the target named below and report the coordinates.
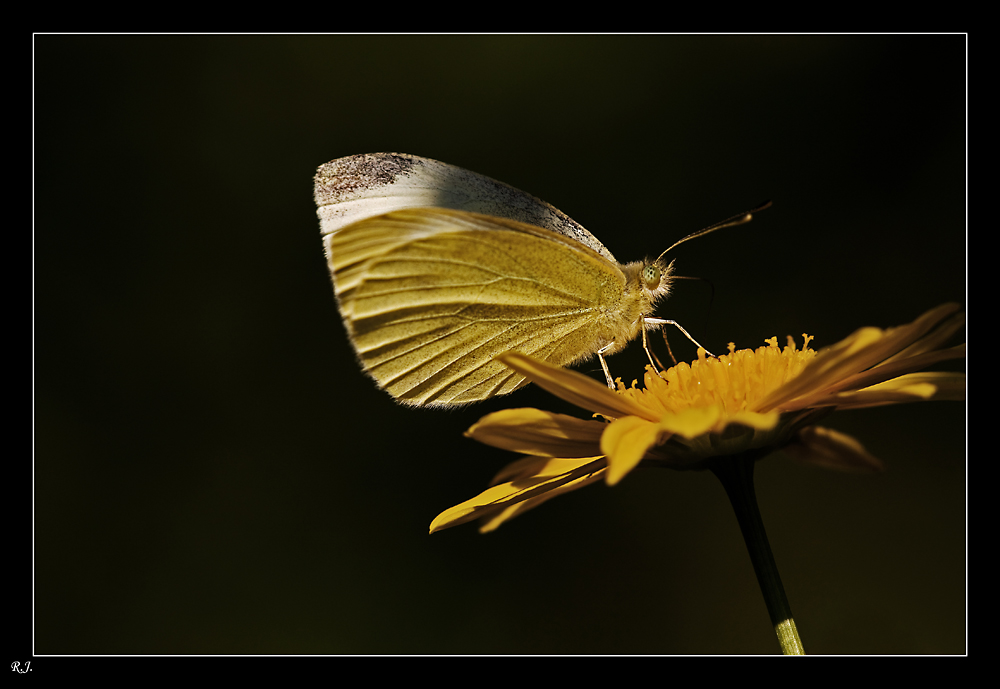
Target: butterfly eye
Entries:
(651, 276)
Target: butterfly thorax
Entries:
(646, 284)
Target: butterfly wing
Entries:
(361, 186)
(430, 296)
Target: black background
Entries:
(214, 474)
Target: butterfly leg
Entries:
(604, 363)
(651, 355)
(661, 321)
(667, 342)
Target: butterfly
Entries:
(437, 270)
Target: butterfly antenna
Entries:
(740, 219)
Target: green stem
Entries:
(736, 475)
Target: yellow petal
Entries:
(830, 365)
(693, 422)
(574, 387)
(834, 367)
(933, 329)
(520, 508)
(541, 467)
(907, 338)
(497, 498)
(913, 387)
(762, 422)
(897, 367)
(625, 442)
(537, 432)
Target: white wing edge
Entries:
(361, 186)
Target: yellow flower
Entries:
(745, 401)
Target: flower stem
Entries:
(736, 475)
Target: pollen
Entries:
(736, 381)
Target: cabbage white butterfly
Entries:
(437, 270)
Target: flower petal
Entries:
(520, 508)
(572, 386)
(625, 442)
(938, 331)
(913, 387)
(897, 341)
(832, 449)
(496, 499)
(762, 422)
(897, 367)
(693, 422)
(529, 468)
(833, 368)
(830, 366)
(537, 432)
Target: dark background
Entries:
(214, 474)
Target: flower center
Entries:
(736, 381)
